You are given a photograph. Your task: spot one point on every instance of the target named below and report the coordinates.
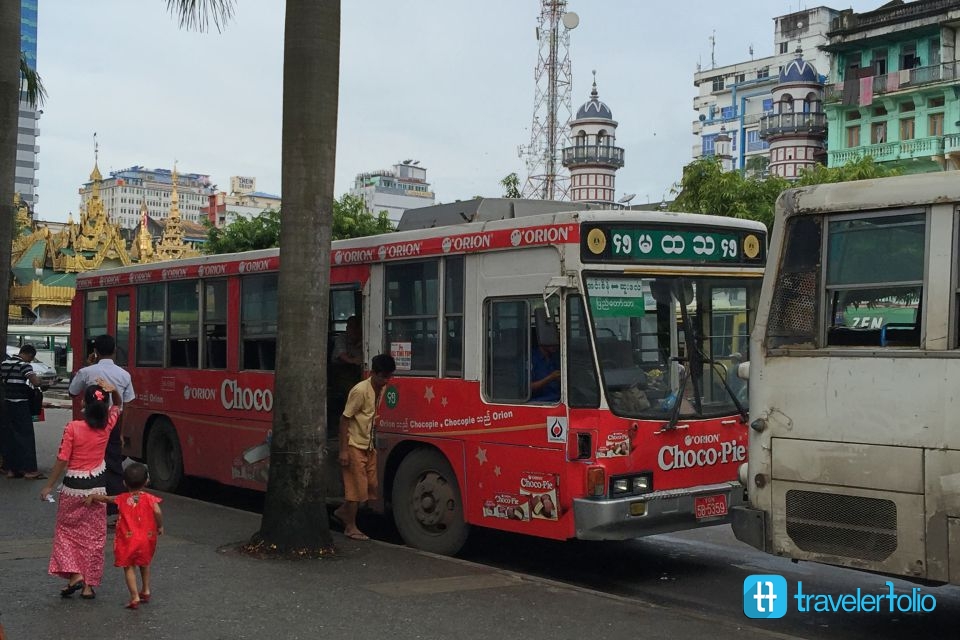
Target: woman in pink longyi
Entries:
(81, 531)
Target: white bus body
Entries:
(854, 455)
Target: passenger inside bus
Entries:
(545, 361)
(346, 364)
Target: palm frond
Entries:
(31, 82)
(200, 14)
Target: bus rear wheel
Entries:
(164, 457)
(427, 504)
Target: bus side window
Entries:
(508, 351)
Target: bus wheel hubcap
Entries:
(432, 501)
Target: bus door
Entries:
(345, 303)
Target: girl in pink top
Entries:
(81, 531)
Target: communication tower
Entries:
(552, 107)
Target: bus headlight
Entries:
(630, 485)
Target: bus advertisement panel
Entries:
(642, 433)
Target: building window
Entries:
(718, 83)
(740, 77)
(908, 56)
(879, 62)
(853, 136)
(936, 124)
(763, 73)
(784, 47)
(906, 129)
(878, 132)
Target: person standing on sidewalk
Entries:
(141, 521)
(104, 367)
(81, 531)
(18, 443)
(358, 457)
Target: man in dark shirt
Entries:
(545, 374)
(17, 441)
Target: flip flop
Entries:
(357, 536)
(39, 476)
(70, 589)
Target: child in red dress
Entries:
(138, 526)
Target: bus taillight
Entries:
(596, 482)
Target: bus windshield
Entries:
(654, 333)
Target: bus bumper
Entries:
(649, 514)
(749, 525)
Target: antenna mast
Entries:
(547, 179)
(713, 46)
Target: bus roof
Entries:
(545, 229)
(880, 193)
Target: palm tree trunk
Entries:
(294, 514)
(9, 110)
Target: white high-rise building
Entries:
(405, 187)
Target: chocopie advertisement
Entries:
(540, 489)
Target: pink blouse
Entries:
(82, 446)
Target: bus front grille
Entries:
(842, 525)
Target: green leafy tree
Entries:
(295, 518)
(244, 234)
(511, 186)
(706, 188)
(351, 219)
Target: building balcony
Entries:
(593, 154)
(951, 143)
(778, 124)
(895, 81)
(893, 151)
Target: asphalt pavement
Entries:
(203, 588)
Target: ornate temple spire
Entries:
(174, 197)
(144, 242)
(95, 176)
(171, 245)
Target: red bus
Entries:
(645, 311)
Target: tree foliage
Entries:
(31, 82)
(351, 219)
(511, 186)
(245, 234)
(706, 188)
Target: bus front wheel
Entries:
(427, 504)
(164, 457)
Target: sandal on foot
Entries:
(133, 604)
(70, 589)
(144, 597)
(89, 596)
(37, 476)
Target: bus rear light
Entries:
(596, 482)
(759, 425)
(584, 446)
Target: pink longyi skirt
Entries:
(79, 540)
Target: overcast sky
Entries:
(446, 82)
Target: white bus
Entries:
(51, 342)
(854, 375)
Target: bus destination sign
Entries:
(623, 243)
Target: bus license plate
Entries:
(710, 506)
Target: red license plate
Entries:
(710, 506)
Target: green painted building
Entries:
(894, 91)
